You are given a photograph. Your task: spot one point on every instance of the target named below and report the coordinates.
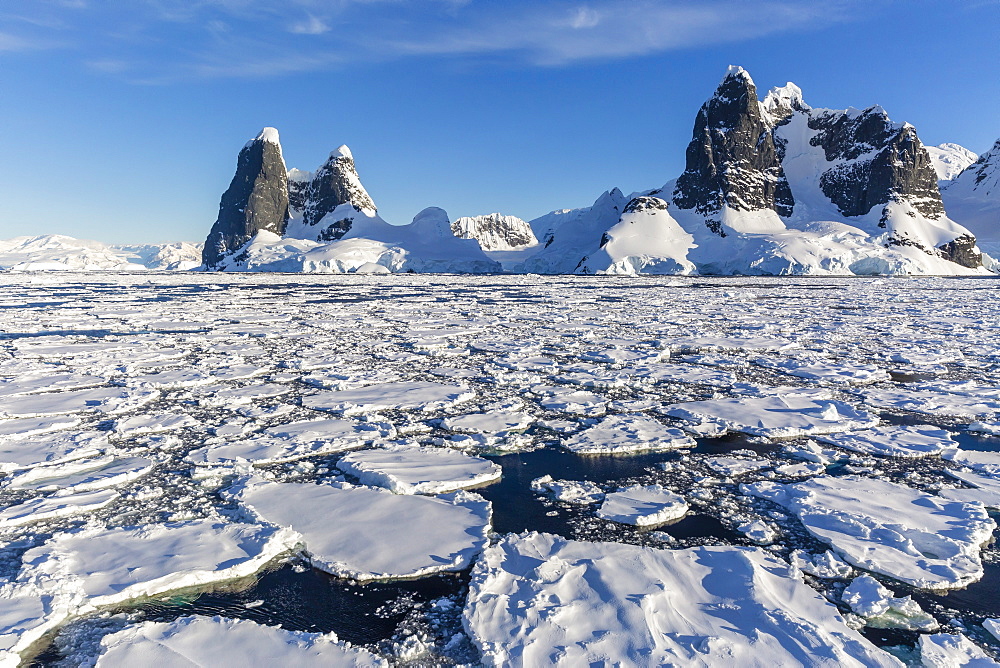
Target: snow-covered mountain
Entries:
(973, 197)
(495, 231)
(773, 187)
(949, 160)
(56, 252)
(329, 223)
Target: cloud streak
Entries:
(165, 41)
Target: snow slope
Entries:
(56, 252)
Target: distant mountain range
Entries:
(771, 186)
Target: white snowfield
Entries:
(537, 599)
(917, 538)
(371, 534)
(906, 441)
(57, 252)
(216, 642)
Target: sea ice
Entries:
(293, 441)
(908, 535)
(758, 531)
(109, 400)
(825, 565)
(617, 434)
(537, 599)
(414, 469)
(986, 489)
(83, 475)
(642, 505)
(790, 413)
(982, 461)
(46, 508)
(944, 650)
(733, 466)
(894, 441)
(216, 642)
(50, 449)
(827, 372)
(488, 422)
(580, 493)
(867, 598)
(111, 566)
(372, 534)
(407, 395)
(152, 423)
(933, 402)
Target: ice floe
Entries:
(577, 492)
(617, 434)
(790, 413)
(894, 441)
(404, 395)
(83, 475)
(944, 650)
(908, 535)
(47, 508)
(642, 505)
(412, 469)
(984, 489)
(372, 534)
(537, 599)
(216, 642)
(868, 599)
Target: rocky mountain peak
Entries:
(782, 101)
(256, 200)
(733, 160)
(335, 183)
(495, 231)
(879, 161)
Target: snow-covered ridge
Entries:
(56, 252)
(950, 160)
(495, 231)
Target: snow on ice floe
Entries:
(537, 599)
(642, 505)
(47, 508)
(216, 642)
(564, 399)
(83, 475)
(103, 567)
(373, 534)
(733, 466)
(48, 383)
(296, 440)
(108, 400)
(944, 650)
(914, 537)
(934, 402)
(824, 565)
(153, 423)
(618, 434)
(26, 615)
(868, 599)
(798, 412)
(894, 441)
(682, 373)
(413, 469)
(19, 428)
(984, 489)
(488, 422)
(405, 395)
(50, 449)
(984, 462)
(827, 372)
(576, 492)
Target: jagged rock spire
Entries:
(732, 159)
(334, 184)
(257, 199)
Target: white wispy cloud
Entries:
(167, 40)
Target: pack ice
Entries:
(917, 538)
(537, 599)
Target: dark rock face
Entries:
(962, 251)
(732, 159)
(899, 169)
(298, 193)
(645, 203)
(257, 199)
(334, 184)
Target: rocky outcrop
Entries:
(495, 231)
(879, 161)
(298, 190)
(334, 184)
(732, 160)
(256, 200)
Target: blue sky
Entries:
(123, 119)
